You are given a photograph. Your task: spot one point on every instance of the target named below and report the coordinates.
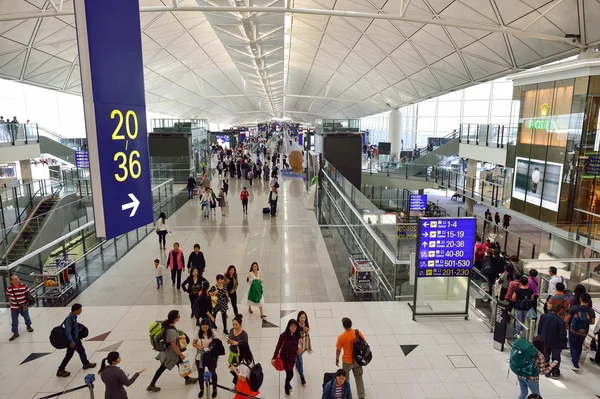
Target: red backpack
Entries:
(479, 252)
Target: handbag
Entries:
(199, 356)
(30, 299)
(185, 368)
(278, 361)
(182, 343)
(24, 307)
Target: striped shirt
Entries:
(16, 295)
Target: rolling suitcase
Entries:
(266, 211)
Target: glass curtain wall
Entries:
(486, 103)
(551, 154)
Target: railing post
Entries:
(83, 240)
(16, 201)
(501, 144)
(518, 246)
(469, 134)
(487, 135)
(533, 252)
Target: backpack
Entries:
(58, 337)
(328, 377)
(580, 323)
(525, 303)
(479, 251)
(487, 268)
(522, 358)
(157, 336)
(255, 379)
(361, 351)
(566, 292)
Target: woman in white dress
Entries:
(254, 294)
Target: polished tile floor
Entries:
(429, 358)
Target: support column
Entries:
(26, 174)
(471, 174)
(394, 132)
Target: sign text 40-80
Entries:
(128, 165)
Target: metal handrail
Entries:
(386, 284)
(69, 142)
(58, 240)
(424, 150)
(375, 237)
(18, 220)
(500, 228)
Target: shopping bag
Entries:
(185, 368)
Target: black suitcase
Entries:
(328, 377)
(266, 211)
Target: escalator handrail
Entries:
(58, 138)
(478, 272)
(424, 151)
(28, 220)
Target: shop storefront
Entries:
(556, 163)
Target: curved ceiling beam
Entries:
(334, 13)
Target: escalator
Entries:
(421, 159)
(27, 233)
(23, 236)
(60, 147)
(437, 155)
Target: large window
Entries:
(487, 103)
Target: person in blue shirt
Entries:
(72, 330)
(337, 388)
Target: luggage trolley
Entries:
(363, 275)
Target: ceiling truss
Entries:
(236, 60)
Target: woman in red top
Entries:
(288, 348)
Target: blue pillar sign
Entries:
(446, 247)
(417, 203)
(112, 80)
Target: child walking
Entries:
(158, 268)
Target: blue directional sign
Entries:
(418, 203)
(82, 159)
(112, 80)
(446, 247)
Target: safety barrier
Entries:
(207, 376)
(89, 384)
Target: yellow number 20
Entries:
(129, 115)
(134, 168)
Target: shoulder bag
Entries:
(278, 361)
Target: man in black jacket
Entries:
(196, 261)
(554, 331)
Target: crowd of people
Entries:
(237, 163)
(565, 320)
(492, 223)
(206, 301)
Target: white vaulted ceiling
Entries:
(319, 59)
